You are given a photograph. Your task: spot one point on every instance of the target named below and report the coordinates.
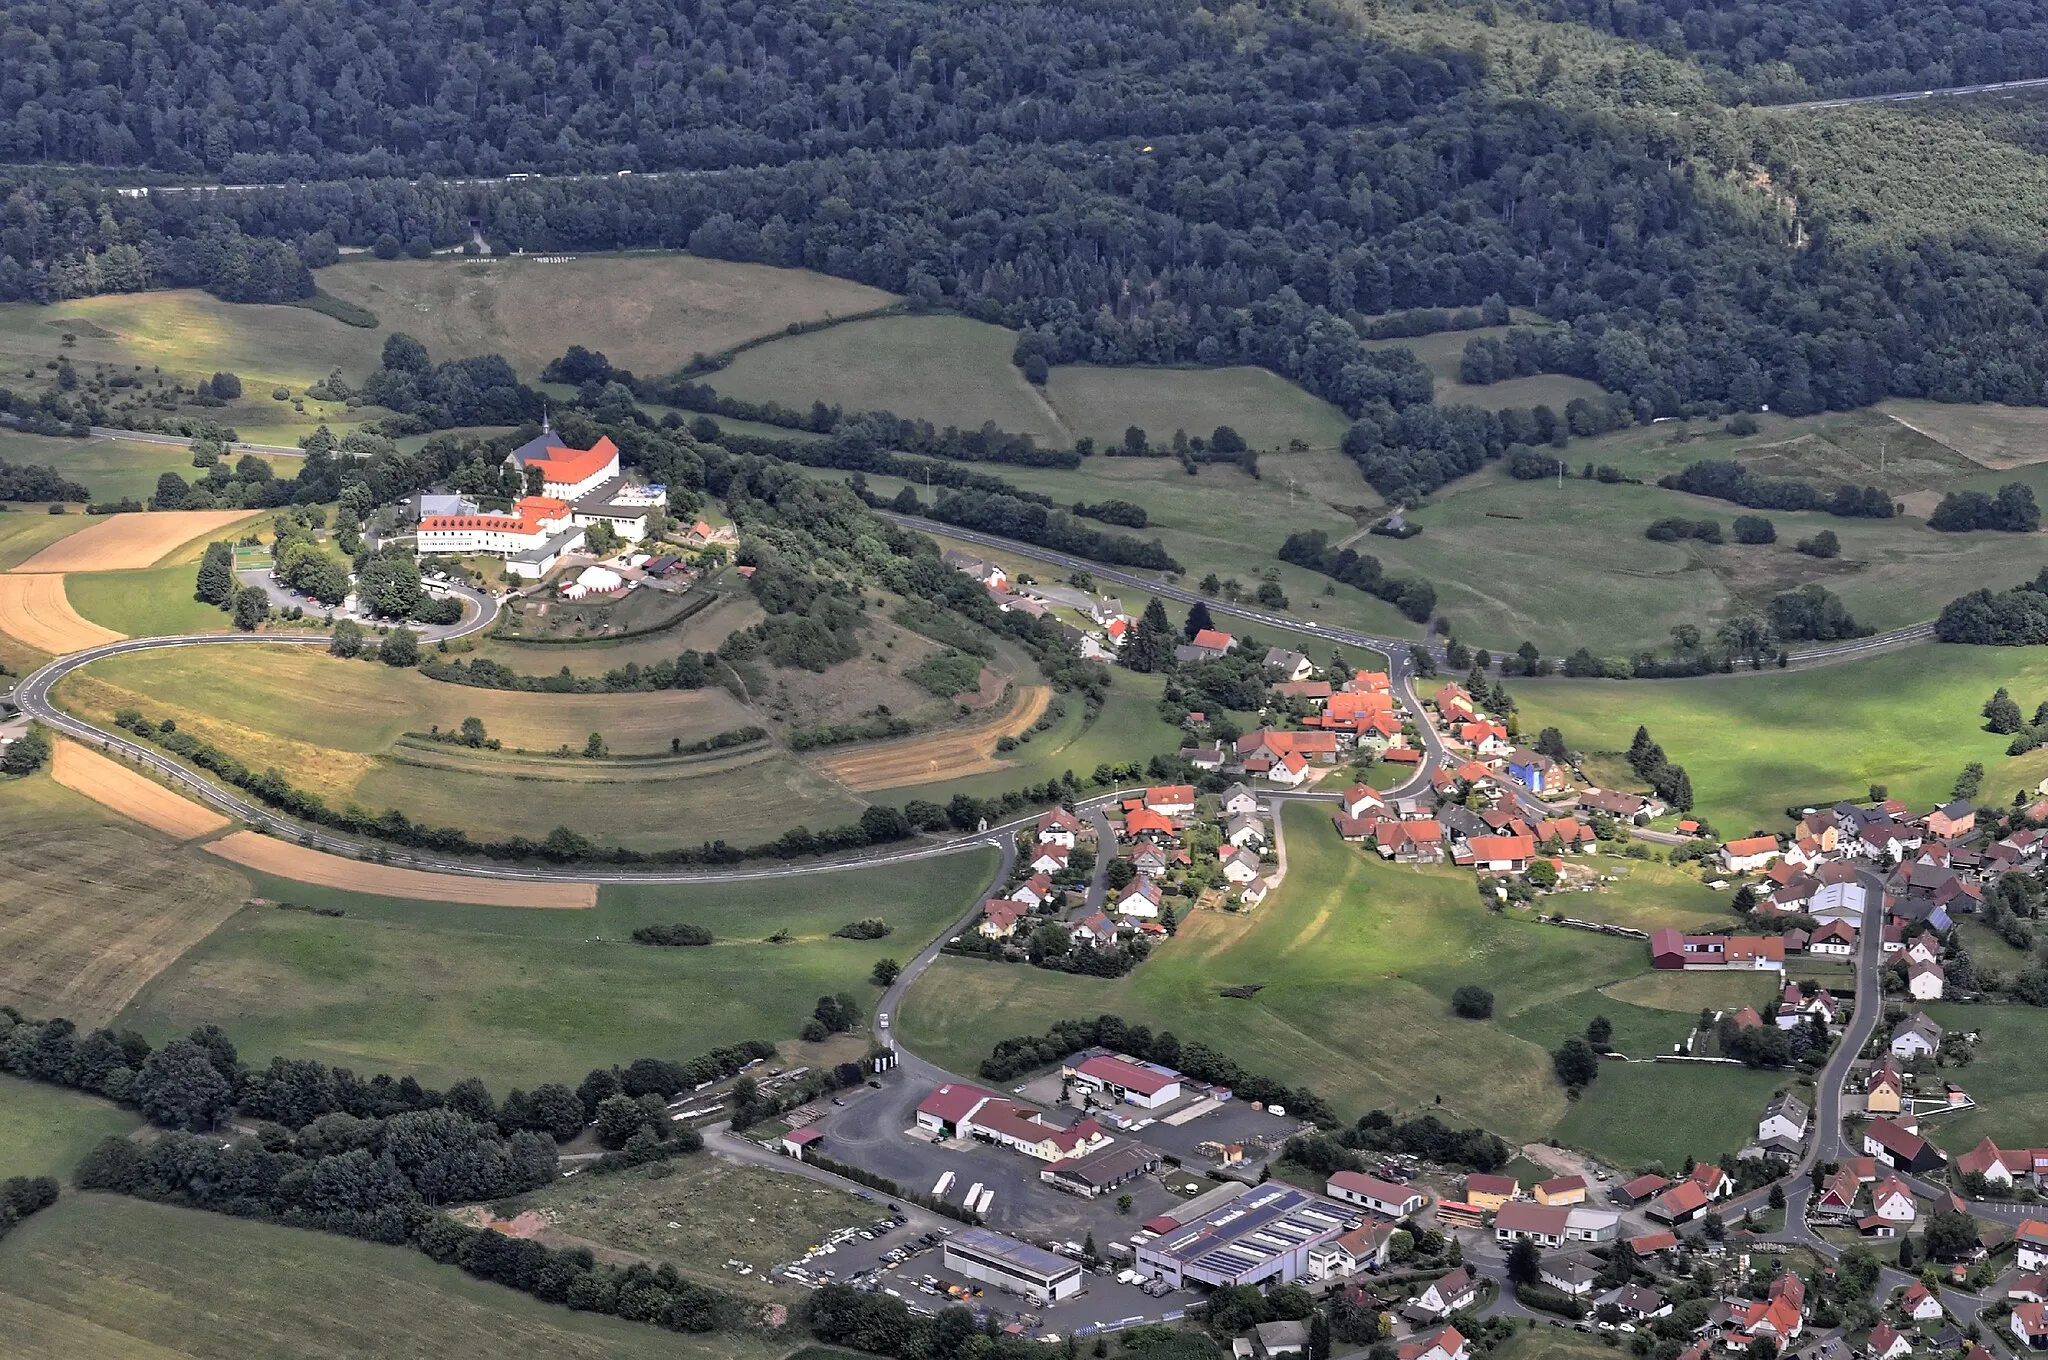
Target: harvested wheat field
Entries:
(950, 754)
(130, 542)
(268, 855)
(92, 907)
(35, 610)
(113, 785)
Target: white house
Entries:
(1246, 832)
(1784, 1118)
(1239, 801)
(1140, 897)
(1360, 801)
(1049, 859)
(1892, 1201)
(2031, 1238)
(531, 539)
(1241, 868)
(1925, 981)
(1919, 1303)
(1916, 1037)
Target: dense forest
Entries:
(1163, 181)
(1776, 50)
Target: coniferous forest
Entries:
(1125, 181)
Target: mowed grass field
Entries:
(92, 906)
(945, 369)
(650, 312)
(1643, 1113)
(1443, 353)
(2004, 1076)
(1755, 744)
(145, 603)
(122, 1279)
(700, 1213)
(1356, 961)
(1269, 411)
(45, 1130)
(519, 997)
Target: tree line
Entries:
(28, 482)
(1413, 596)
(2012, 618)
(1727, 480)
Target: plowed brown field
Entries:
(129, 542)
(950, 754)
(269, 855)
(35, 610)
(113, 785)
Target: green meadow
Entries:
(519, 997)
(124, 1279)
(1755, 744)
(45, 1130)
(1355, 961)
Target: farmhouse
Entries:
(1385, 1197)
(1122, 1077)
(1899, 1147)
(1290, 665)
(1024, 1129)
(1669, 949)
(1207, 645)
(1680, 1204)
(1171, 800)
(1745, 856)
(2030, 1238)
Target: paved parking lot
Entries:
(920, 1277)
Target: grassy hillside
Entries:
(649, 312)
(520, 997)
(45, 1130)
(1754, 744)
(1356, 961)
(120, 1278)
(945, 369)
(1266, 409)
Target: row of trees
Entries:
(1725, 479)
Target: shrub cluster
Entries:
(1727, 480)
(1414, 597)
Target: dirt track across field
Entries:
(35, 610)
(129, 542)
(113, 785)
(949, 754)
(268, 855)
